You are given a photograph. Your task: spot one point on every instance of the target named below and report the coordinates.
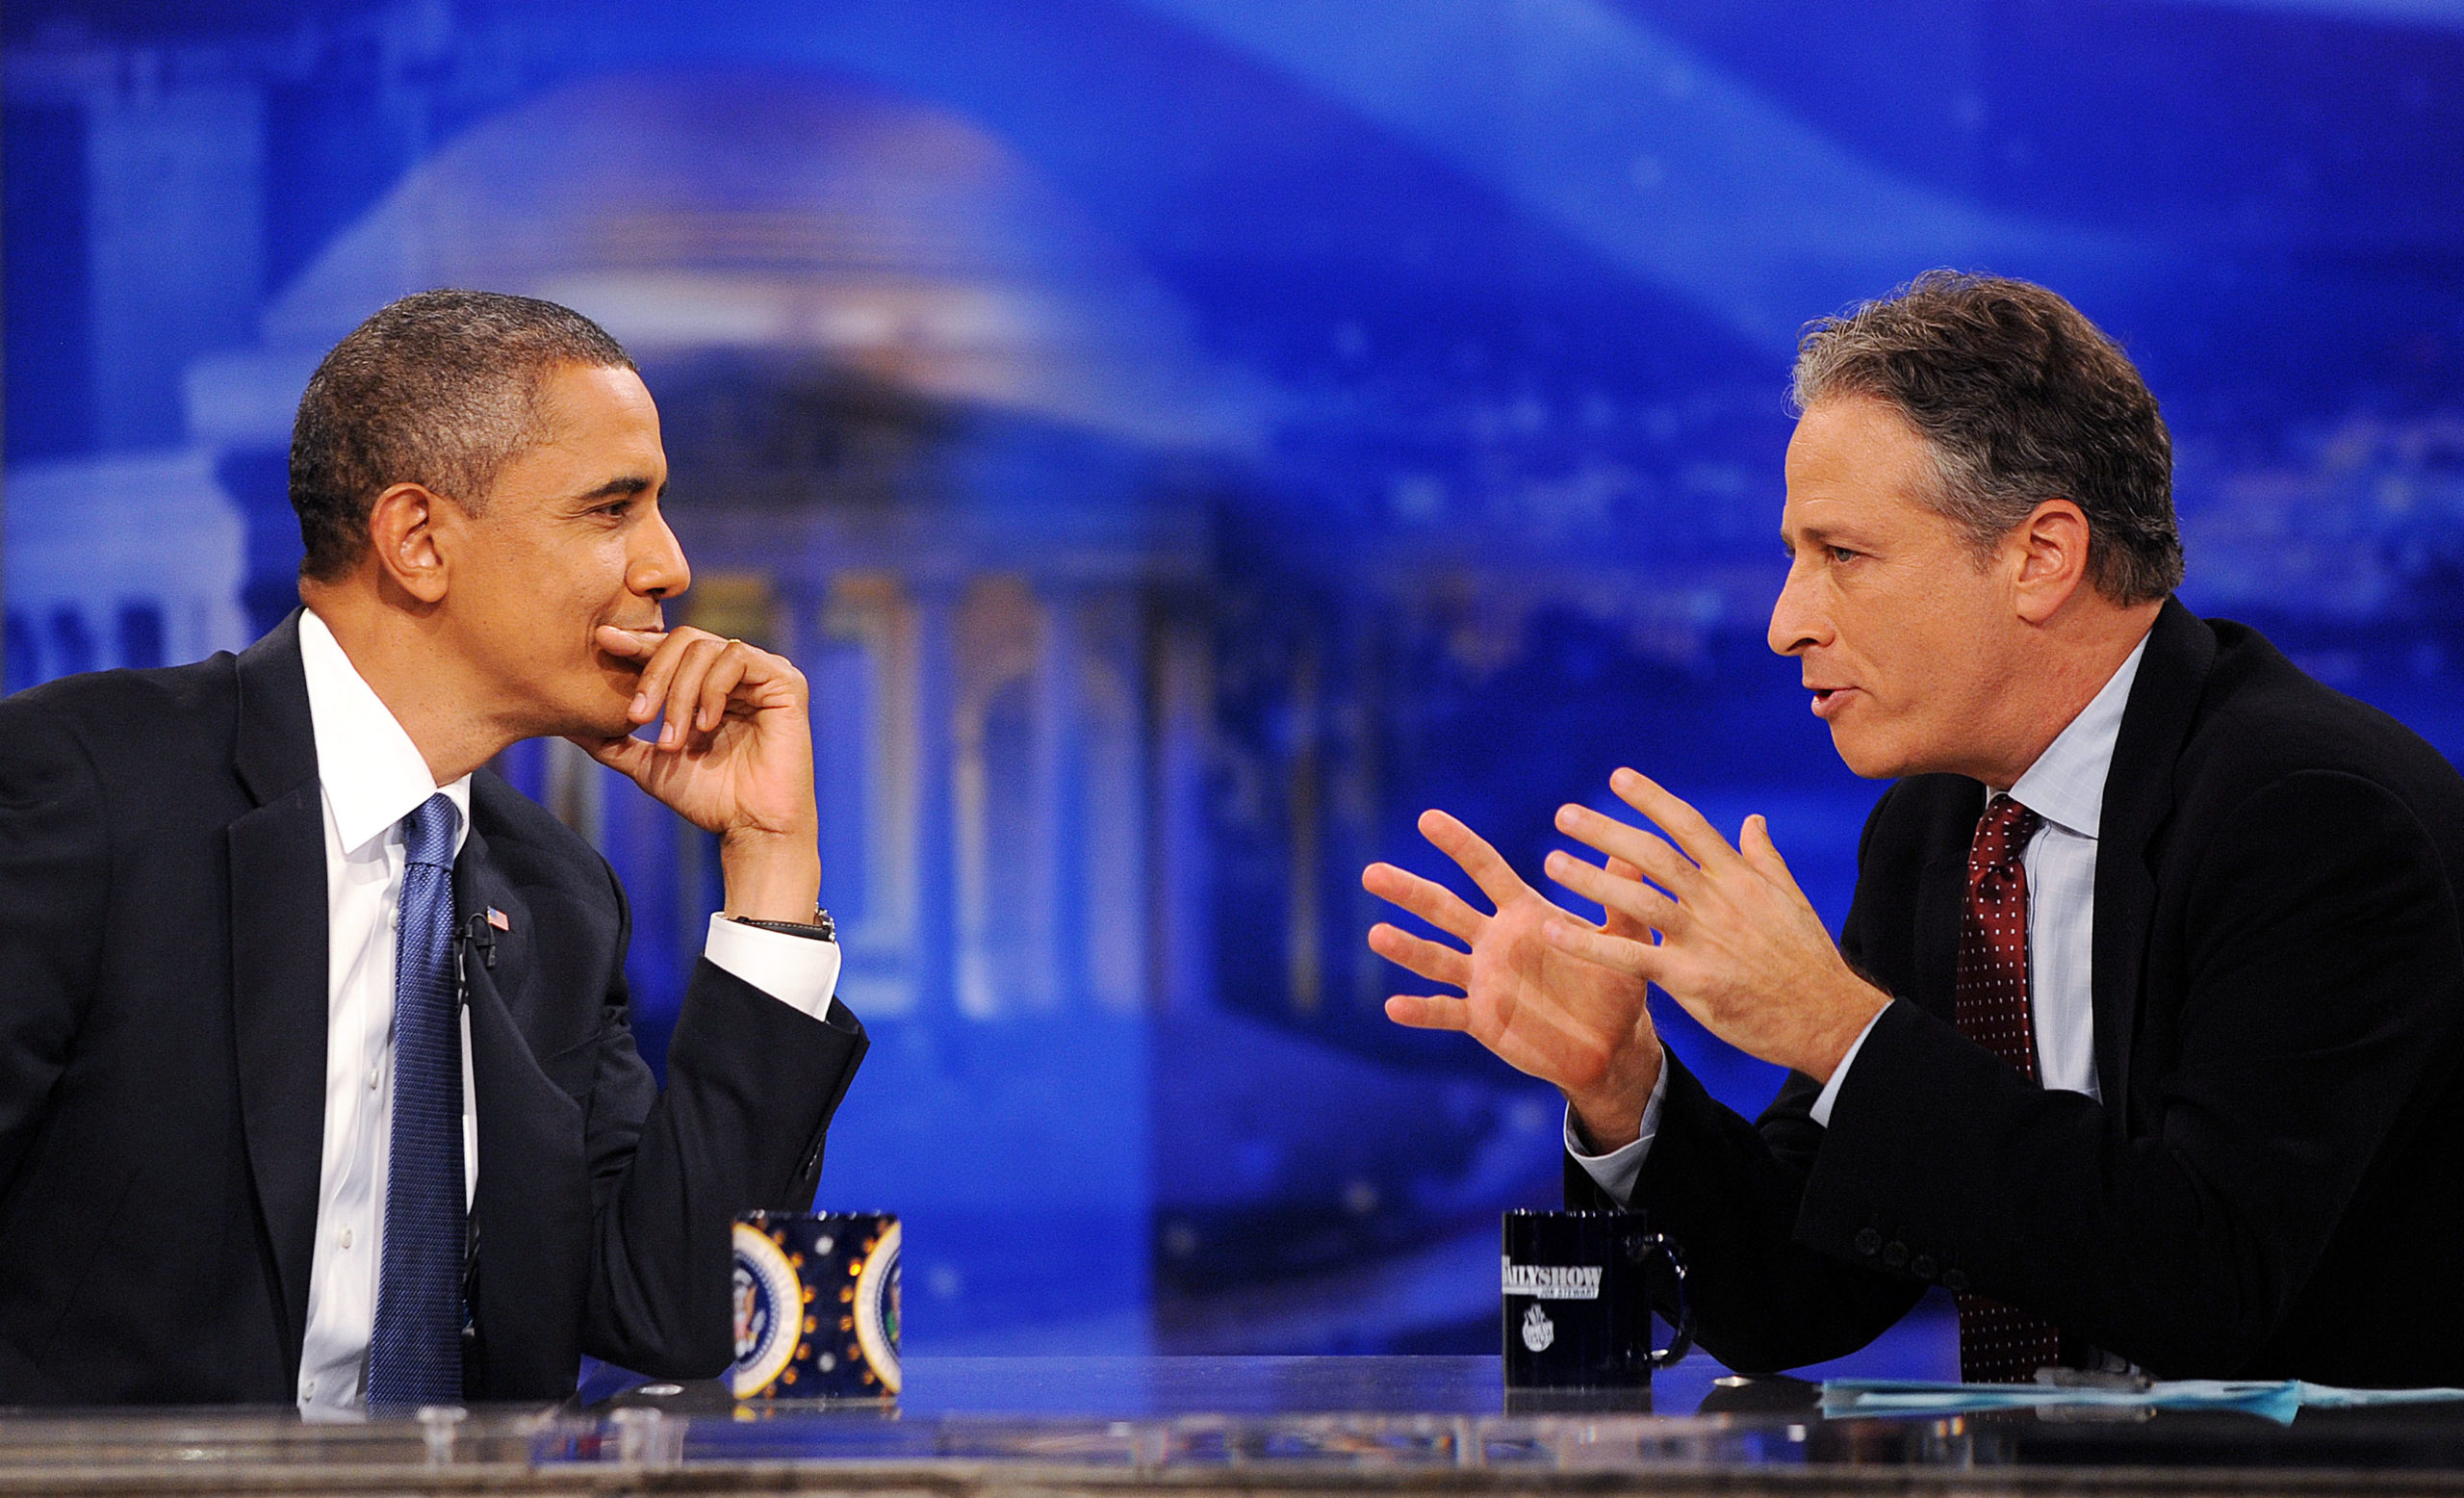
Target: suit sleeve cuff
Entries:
(1820, 1112)
(799, 972)
(1615, 1172)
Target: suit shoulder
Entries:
(1919, 812)
(528, 840)
(150, 717)
(2262, 720)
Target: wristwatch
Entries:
(821, 928)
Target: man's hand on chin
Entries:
(1542, 1010)
(1739, 945)
(733, 756)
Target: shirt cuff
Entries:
(799, 970)
(1616, 1172)
(1820, 1112)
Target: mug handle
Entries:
(1681, 1329)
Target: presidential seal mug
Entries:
(816, 1305)
(1579, 1294)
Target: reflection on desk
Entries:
(1045, 1427)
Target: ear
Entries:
(2051, 551)
(402, 528)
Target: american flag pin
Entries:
(499, 919)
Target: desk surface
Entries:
(1066, 1427)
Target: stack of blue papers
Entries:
(2274, 1401)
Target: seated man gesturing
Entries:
(2143, 1034)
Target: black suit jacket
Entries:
(162, 1004)
(2272, 1183)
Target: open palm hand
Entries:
(1541, 1009)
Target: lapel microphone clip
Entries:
(479, 934)
(474, 932)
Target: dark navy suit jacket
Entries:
(2272, 1183)
(163, 1002)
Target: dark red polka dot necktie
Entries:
(1998, 1344)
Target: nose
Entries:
(1797, 624)
(657, 568)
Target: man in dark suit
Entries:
(2143, 1033)
(317, 1083)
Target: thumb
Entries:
(626, 755)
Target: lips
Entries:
(1828, 699)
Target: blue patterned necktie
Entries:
(415, 1352)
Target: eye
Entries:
(617, 509)
(1840, 553)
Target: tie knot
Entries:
(427, 833)
(2001, 834)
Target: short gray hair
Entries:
(2020, 400)
(438, 389)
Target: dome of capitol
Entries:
(782, 212)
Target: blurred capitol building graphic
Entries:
(1182, 440)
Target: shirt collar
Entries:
(2066, 785)
(373, 775)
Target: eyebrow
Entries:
(627, 485)
(1823, 535)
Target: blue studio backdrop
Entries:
(1183, 439)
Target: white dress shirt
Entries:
(373, 776)
(2065, 787)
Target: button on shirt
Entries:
(373, 776)
(2065, 786)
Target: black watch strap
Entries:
(821, 928)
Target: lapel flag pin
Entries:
(499, 919)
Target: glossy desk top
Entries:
(1045, 1425)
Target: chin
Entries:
(1869, 759)
(611, 723)
(600, 716)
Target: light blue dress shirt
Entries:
(2065, 786)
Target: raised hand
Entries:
(1544, 1010)
(733, 756)
(1740, 946)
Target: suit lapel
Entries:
(2138, 796)
(527, 1219)
(1942, 889)
(479, 888)
(278, 957)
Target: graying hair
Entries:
(2020, 400)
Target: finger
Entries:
(1469, 849)
(651, 691)
(1618, 922)
(1619, 954)
(1631, 899)
(1691, 829)
(1429, 900)
(1652, 857)
(628, 644)
(1430, 1012)
(1431, 959)
(1754, 841)
(726, 673)
(684, 691)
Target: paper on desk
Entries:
(2274, 1401)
